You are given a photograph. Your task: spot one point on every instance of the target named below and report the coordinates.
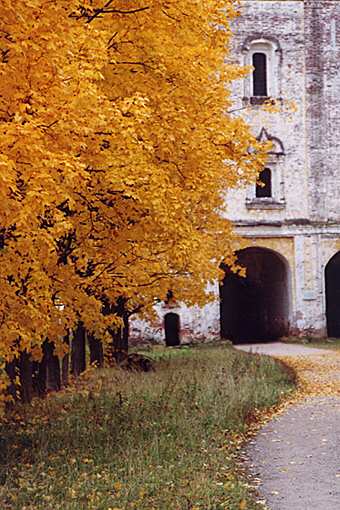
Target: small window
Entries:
(260, 87)
(264, 184)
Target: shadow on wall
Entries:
(256, 307)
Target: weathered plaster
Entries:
(302, 224)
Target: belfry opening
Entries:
(255, 307)
(332, 277)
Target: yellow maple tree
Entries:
(116, 151)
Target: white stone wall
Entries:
(308, 35)
(302, 221)
(282, 23)
(196, 324)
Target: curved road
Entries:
(296, 457)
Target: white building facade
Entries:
(291, 223)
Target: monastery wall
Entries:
(299, 220)
(322, 39)
(277, 29)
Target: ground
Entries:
(293, 460)
(165, 440)
(171, 439)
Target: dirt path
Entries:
(281, 349)
(295, 459)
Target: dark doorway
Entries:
(332, 276)
(172, 329)
(256, 307)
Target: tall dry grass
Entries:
(162, 440)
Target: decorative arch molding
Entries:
(278, 148)
(276, 165)
(273, 251)
(260, 38)
(331, 255)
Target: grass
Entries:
(162, 440)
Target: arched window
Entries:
(265, 56)
(264, 184)
(260, 74)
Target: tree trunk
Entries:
(120, 336)
(96, 351)
(126, 332)
(12, 371)
(66, 363)
(78, 359)
(39, 377)
(118, 350)
(53, 367)
(26, 383)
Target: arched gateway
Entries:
(332, 277)
(256, 307)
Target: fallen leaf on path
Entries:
(243, 504)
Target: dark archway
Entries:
(256, 307)
(172, 329)
(332, 277)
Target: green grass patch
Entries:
(161, 440)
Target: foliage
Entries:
(163, 440)
(116, 149)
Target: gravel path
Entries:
(281, 349)
(295, 459)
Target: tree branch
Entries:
(106, 9)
